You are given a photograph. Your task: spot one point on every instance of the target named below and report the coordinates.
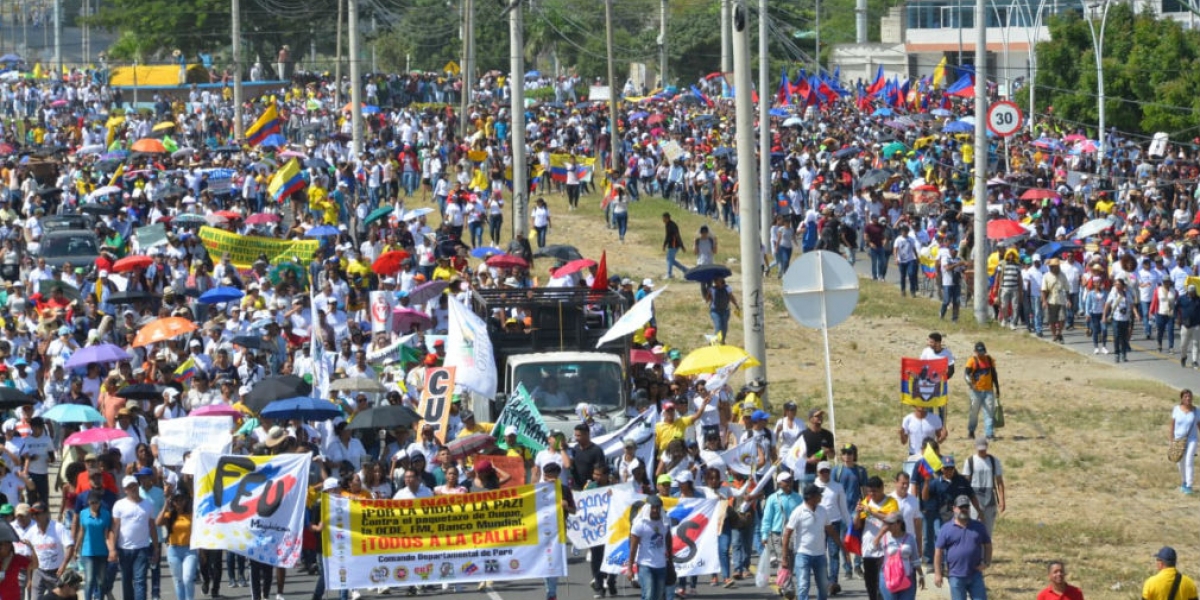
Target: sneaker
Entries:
(835, 589)
(280, 596)
(242, 582)
(858, 570)
(598, 594)
(1096, 350)
(232, 584)
(1183, 361)
(1104, 350)
(681, 593)
(203, 588)
(715, 581)
(612, 591)
(355, 595)
(1187, 490)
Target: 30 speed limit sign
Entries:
(1004, 118)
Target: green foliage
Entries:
(1150, 72)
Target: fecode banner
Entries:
(251, 505)
(694, 526)
(245, 249)
(495, 535)
(588, 526)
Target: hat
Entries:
(431, 359)
(330, 484)
(756, 385)
(144, 472)
(759, 415)
(510, 430)
(128, 481)
(668, 406)
(6, 510)
(1054, 262)
(824, 466)
(812, 490)
(962, 501)
(627, 281)
(38, 507)
(814, 412)
(276, 436)
(1165, 554)
(648, 282)
(91, 456)
(23, 509)
(981, 443)
(466, 415)
(674, 354)
(483, 466)
(948, 461)
(685, 477)
(650, 332)
(850, 449)
(664, 478)
(979, 347)
(784, 476)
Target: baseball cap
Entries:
(814, 412)
(784, 476)
(824, 466)
(962, 501)
(510, 430)
(648, 282)
(684, 477)
(979, 347)
(144, 472)
(21, 509)
(947, 461)
(38, 507)
(654, 500)
(668, 406)
(128, 481)
(329, 484)
(664, 478)
(1165, 554)
(981, 443)
(759, 415)
(629, 443)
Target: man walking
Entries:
(776, 510)
(987, 479)
(137, 539)
(1055, 300)
(1189, 320)
(905, 251)
(1168, 583)
(983, 384)
(804, 544)
(673, 244)
(966, 548)
(1059, 589)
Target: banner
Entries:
(220, 180)
(584, 167)
(487, 536)
(589, 525)
(435, 401)
(640, 429)
(191, 434)
(469, 349)
(672, 150)
(381, 312)
(245, 249)
(694, 527)
(401, 350)
(251, 505)
(151, 236)
(514, 466)
(923, 382)
(522, 413)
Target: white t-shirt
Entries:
(50, 546)
(652, 543)
(407, 494)
(541, 217)
(808, 529)
(910, 510)
(919, 429)
(38, 450)
(136, 521)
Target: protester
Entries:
(983, 385)
(965, 547)
(986, 475)
(804, 540)
(1168, 583)
(1183, 430)
(650, 550)
(1058, 588)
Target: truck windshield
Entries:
(559, 387)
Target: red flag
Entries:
(600, 282)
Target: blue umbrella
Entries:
(370, 109)
(722, 151)
(221, 294)
(73, 413)
(707, 273)
(10, 58)
(532, 75)
(100, 353)
(304, 408)
(1056, 248)
(847, 152)
(484, 251)
(778, 112)
(882, 112)
(638, 115)
(958, 127)
(941, 112)
(275, 141)
(322, 231)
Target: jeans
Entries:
(908, 275)
(476, 229)
(622, 221)
(814, 566)
(971, 585)
(653, 582)
(1165, 324)
(1072, 307)
(1144, 313)
(1099, 330)
(783, 257)
(879, 263)
(986, 401)
(951, 298)
(41, 484)
(1121, 338)
(909, 593)
(743, 543)
(97, 581)
(672, 263)
(494, 224)
(184, 563)
(573, 195)
(833, 554)
(724, 541)
(1036, 316)
(410, 180)
(720, 321)
(552, 582)
(932, 521)
(541, 236)
(135, 567)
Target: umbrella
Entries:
(73, 413)
(722, 151)
(874, 177)
(100, 353)
(385, 417)
(793, 122)
(165, 125)
(958, 127)
(404, 318)
(221, 294)
(485, 251)
(1074, 137)
(506, 261)
(471, 444)
(1056, 248)
(249, 341)
(882, 112)
(415, 213)
(262, 219)
(637, 116)
(129, 297)
(229, 214)
(273, 141)
(450, 247)
(12, 398)
(847, 152)
(379, 213)
(163, 329)
(941, 112)
(427, 291)
(274, 388)
(321, 231)
(644, 357)
(186, 218)
(1004, 228)
(358, 384)
(215, 219)
(892, 148)
(1091, 228)
(574, 266)
(46, 286)
(656, 119)
(707, 273)
(104, 191)
(922, 117)
(1038, 194)
(91, 149)
(710, 358)
(560, 251)
(276, 272)
(389, 262)
(97, 435)
(149, 146)
(142, 391)
(131, 263)
(316, 163)
(183, 153)
(305, 408)
(216, 410)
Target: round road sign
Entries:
(1004, 118)
(820, 289)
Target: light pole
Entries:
(1031, 34)
(1098, 51)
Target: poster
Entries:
(522, 413)
(381, 312)
(923, 382)
(469, 349)
(189, 434)
(514, 466)
(694, 527)
(486, 536)
(640, 429)
(435, 400)
(251, 505)
(588, 526)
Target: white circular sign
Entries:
(1004, 118)
(820, 289)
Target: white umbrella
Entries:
(104, 191)
(793, 122)
(92, 149)
(416, 212)
(1091, 228)
(633, 319)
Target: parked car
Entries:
(77, 246)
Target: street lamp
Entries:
(1098, 49)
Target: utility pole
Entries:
(516, 87)
(981, 161)
(662, 44)
(337, 66)
(466, 70)
(726, 60)
(236, 19)
(58, 62)
(614, 137)
(817, 35)
(764, 128)
(356, 120)
(753, 322)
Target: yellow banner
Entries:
(245, 249)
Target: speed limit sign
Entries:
(1004, 118)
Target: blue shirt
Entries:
(777, 509)
(963, 546)
(94, 528)
(852, 479)
(107, 500)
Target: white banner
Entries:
(380, 312)
(251, 505)
(469, 350)
(640, 429)
(694, 527)
(633, 319)
(192, 434)
(589, 525)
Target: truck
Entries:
(545, 339)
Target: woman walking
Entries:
(96, 543)
(898, 544)
(176, 518)
(1183, 428)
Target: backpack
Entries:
(720, 298)
(986, 495)
(895, 575)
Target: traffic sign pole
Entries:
(1004, 118)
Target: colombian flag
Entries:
(186, 371)
(583, 167)
(930, 463)
(286, 181)
(267, 124)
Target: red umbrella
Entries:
(389, 262)
(655, 119)
(262, 219)
(229, 214)
(574, 267)
(643, 357)
(1001, 229)
(471, 444)
(1038, 194)
(164, 219)
(507, 261)
(130, 263)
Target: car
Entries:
(77, 221)
(76, 246)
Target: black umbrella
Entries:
(129, 297)
(316, 163)
(707, 273)
(385, 417)
(228, 150)
(97, 209)
(275, 388)
(560, 251)
(874, 177)
(11, 398)
(142, 391)
(249, 341)
(48, 191)
(7, 533)
(450, 247)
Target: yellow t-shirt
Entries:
(665, 432)
(1158, 586)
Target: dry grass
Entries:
(1084, 448)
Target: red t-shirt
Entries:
(10, 586)
(83, 483)
(1070, 593)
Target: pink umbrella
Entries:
(58, 103)
(216, 410)
(657, 131)
(574, 267)
(1087, 146)
(1074, 137)
(262, 219)
(404, 318)
(99, 435)
(292, 154)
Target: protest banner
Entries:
(640, 429)
(401, 351)
(469, 349)
(514, 466)
(435, 401)
(151, 236)
(220, 180)
(251, 505)
(192, 434)
(381, 312)
(589, 525)
(522, 413)
(672, 150)
(494, 535)
(245, 249)
(923, 382)
(694, 527)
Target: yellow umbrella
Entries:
(164, 126)
(710, 358)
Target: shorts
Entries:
(1055, 313)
